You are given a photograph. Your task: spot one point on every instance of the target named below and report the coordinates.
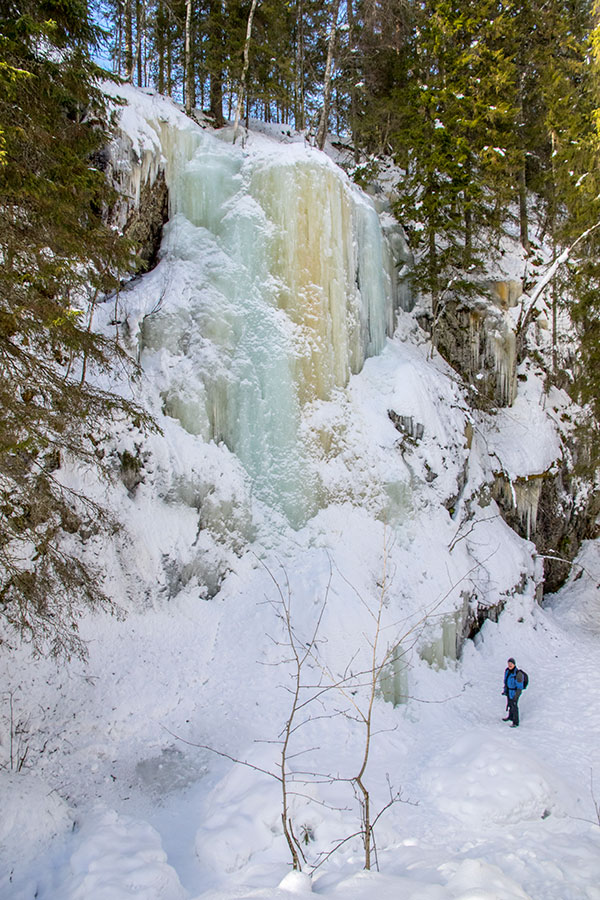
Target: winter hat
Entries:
(512, 661)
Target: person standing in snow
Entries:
(513, 685)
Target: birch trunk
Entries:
(353, 97)
(299, 69)
(128, 41)
(139, 29)
(240, 103)
(322, 131)
(190, 79)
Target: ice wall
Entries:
(279, 288)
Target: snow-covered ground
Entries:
(151, 770)
(121, 808)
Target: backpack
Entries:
(525, 678)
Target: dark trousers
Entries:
(513, 709)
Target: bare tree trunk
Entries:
(242, 87)
(299, 68)
(468, 221)
(145, 45)
(554, 329)
(214, 61)
(216, 98)
(554, 248)
(118, 38)
(433, 273)
(322, 130)
(128, 40)
(139, 30)
(523, 220)
(169, 60)
(522, 179)
(190, 74)
(160, 46)
(353, 97)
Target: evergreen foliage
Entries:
(58, 257)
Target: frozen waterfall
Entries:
(280, 285)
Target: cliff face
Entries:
(135, 165)
(478, 340)
(145, 221)
(283, 360)
(543, 500)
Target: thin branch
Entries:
(526, 312)
(462, 537)
(234, 759)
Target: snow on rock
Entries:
(118, 858)
(477, 880)
(525, 438)
(478, 777)
(137, 153)
(296, 883)
(578, 602)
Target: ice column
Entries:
(280, 290)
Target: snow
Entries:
(534, 411)
(116, 858)
(152, 768)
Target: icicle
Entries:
(393, 681)
(524, 496)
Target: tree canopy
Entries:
(58, 256)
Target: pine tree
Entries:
(57, 259)
(453, 135)
(374, 70)
(577, 166)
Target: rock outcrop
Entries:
(142, 206)
(548, 506)
(554, 510)
(146, 220)
(477, 337)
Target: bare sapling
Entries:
(378, 661)
(300, 651)
(595, 803)
(360, 691)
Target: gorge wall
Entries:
(298, 396)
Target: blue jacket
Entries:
(513, 683)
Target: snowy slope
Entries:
(121, 793)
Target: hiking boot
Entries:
(507, 719)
